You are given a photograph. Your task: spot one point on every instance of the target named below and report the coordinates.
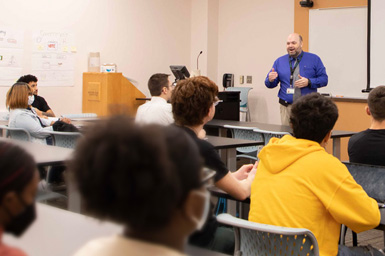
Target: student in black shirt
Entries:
(40, 105)
(193, 105)
(368, 147)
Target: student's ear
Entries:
(11, 203)
(326, 139)
(368, 111)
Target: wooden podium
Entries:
(109, 93)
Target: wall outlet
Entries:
(241, 79)
(249, 79)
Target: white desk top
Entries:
(59, 232)
(43, 154)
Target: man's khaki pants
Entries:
(285, 114)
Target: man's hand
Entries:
(301, 82)
(39, 113)
(272, 75)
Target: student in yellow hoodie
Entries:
(298, 184)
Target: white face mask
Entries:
(31, 99)
(201, 222)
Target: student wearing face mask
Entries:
(18, 186)
(19, 100)
(148, 178)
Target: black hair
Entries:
(27, 79)
(17, 168)
(135, 175)
(313, 116)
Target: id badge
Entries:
(290, 91)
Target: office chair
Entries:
(261, 239)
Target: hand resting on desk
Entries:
(245, 171)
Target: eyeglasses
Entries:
(207, 176)
(217, 102)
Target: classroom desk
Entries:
(44, 155)
(336, 134)
(61, 233)
(228, 148)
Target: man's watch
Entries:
(309, 82)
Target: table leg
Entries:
(337, 147)
(74, 200)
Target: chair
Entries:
(246, 133)
(16, 133)
(65, 139)
(80, 115)
(261, 239)
(244, 95)
(267, 135)
(371, 178)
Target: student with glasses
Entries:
(193, 105)
(148, 178)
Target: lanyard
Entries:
(295, 66)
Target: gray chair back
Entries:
(267, 135)
(371, 178)
(260, 239)
(16, 133)
(246, 133)
(65, 139)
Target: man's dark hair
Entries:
(157, 82)
(376, 103)
(135, 175)
(27, 79)
(191, 100)
(15, 174)
(312, 117)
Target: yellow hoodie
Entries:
(298, 184)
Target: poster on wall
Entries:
(11, 55)
(53, 58)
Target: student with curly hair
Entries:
(148, 178)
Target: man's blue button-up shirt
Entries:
(310, 67)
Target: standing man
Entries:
(39, 103)
(298, 72)
(157, 111)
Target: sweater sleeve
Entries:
(32, 125)
(351, 206)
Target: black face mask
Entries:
(21, 222)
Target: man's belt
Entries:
(284, 102)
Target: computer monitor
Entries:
(180, 72)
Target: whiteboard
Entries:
(338, 36)
(377, 42)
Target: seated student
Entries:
(298, 184)
(148, 178)
(193, 105)
(39, 102)
(157, 110)
(19, 98)
(367, 147)
(18, 186)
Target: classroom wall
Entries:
(141, 37)
(251, 35)
(146, 36)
